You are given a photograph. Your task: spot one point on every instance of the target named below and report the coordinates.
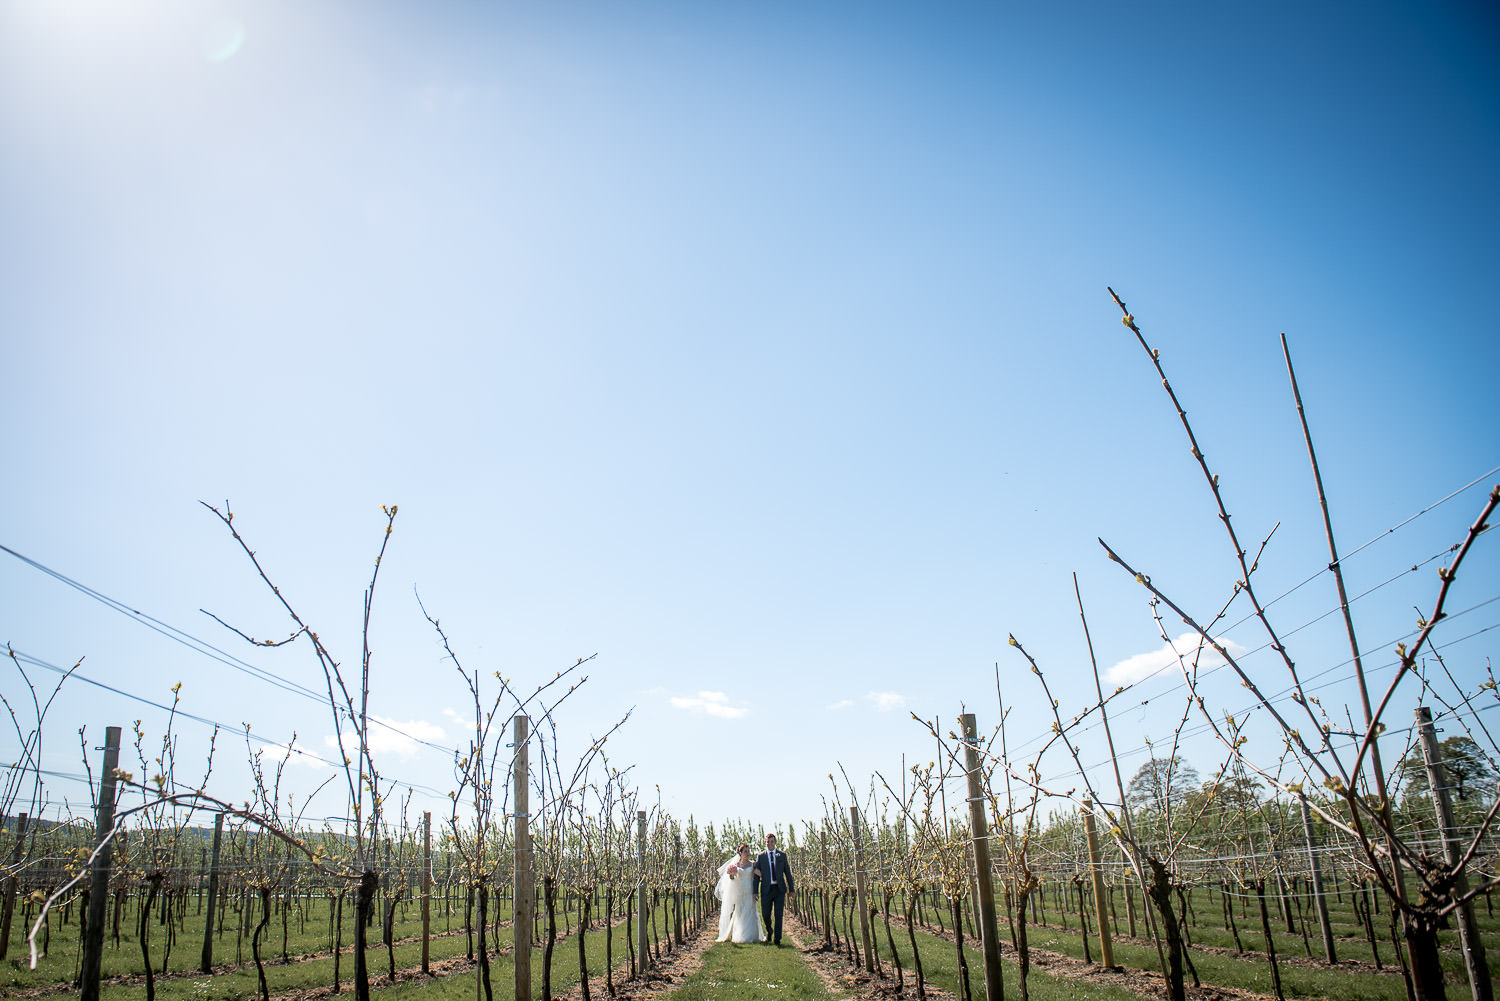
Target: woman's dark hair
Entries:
(743, 848)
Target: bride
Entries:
(738, 920)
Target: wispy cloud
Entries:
(390, 736)
(712, 703)
(841, 704)
(886, 701)
(1162, 659)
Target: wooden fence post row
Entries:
(521, 904)
(642, 902)
(989, 933)
(1101, 906)
(93, 943)
(1468, 930)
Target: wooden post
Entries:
(1131, 855)
(989, 933)
(385, 885)
(520, 911)
(426, 888)
(1468, 931)
(93, 945)
(676, 889)
(1314, 866)
(206, 960)
(861, 899)
(642, 899)
(8, 908)
(1096, 869)
(827, 905)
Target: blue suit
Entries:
(773, 881)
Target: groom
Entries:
(773, 885)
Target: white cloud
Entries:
(1162, 659)
(712, 703)
(389, 736)
(842, 704)
(886, 701)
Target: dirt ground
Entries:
(659, 983)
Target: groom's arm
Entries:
(755, 886)
(786, 867)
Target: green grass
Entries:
(461, 986)
(316, 971)
(1247, 972)
(1253, 972)
(310, 938)
(304, 937)
(1250, 973)
(731, 972)
(1349, 935)
(242, 982)
(940, 969)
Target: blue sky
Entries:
(763, 351)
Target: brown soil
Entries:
(844, 981)
(658, 984)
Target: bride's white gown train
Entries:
(739, 921)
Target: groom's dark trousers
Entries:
(772, 898)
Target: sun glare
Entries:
(222, 39)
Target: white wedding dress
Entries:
(738, 919)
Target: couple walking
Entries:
(741, 883)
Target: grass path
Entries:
(729, 972)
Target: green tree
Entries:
(1160, 783)
(1230, 795)
(1470, 774)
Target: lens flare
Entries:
(223, 39)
